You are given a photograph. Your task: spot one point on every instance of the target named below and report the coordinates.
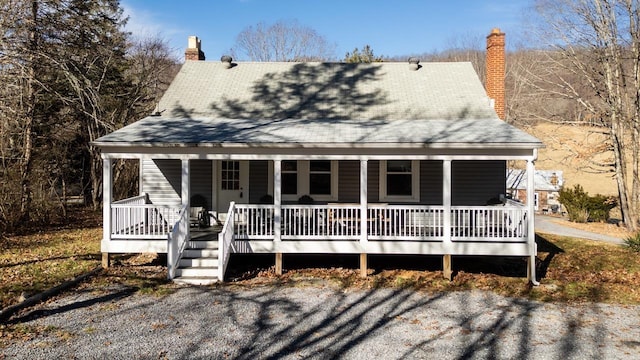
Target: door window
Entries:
(230, 175)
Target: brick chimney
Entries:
(495, 71)
(193, 51)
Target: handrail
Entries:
(177, 241)
(136, 200)
(225, 241)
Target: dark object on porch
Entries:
(305, 200)
(198, 211)
(266, 199)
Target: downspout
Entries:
(533, 247)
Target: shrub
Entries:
(600, 206)
(582, 208)
(576, 202)
(633, 242)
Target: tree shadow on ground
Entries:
(545, 246)
(421, 325)
(112, 296)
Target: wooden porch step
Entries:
(199, 263)
(187, 262)
(198, 253)
(198, 271)
(195, 280)
(209, 244)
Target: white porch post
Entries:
(186, 191)
(531, 236)
(107, 198)
(277, 210)
(214, 189)
(446, 218)
(364, 231)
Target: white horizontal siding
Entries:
(161, 179)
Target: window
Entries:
(320, 177)
(289, 177)
(399, 180)
(230, 175)
(317, 178)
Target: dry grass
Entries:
(590, 271)
(571, 270)
(568, 148)
(33, 263)
(600, 228)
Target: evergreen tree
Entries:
(364, 56)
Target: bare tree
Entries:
(594, 62)
(68, 74)
(282, 41)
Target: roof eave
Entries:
(449, 145)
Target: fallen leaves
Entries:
(34, 263)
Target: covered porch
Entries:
(372, 225)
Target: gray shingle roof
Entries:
(326, 91)
(323, 103)
(157, 131)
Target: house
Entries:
(547, 186)
(299, 158)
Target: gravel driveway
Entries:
(324, 323)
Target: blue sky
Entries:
(391, 27)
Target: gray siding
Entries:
(349, 181)
(258, 180)
(431, 182)
(201, 182)
(373, 181)
(475, 182)
(161, 179)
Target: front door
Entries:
(233, 184)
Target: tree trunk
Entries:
(29, 117)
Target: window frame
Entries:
(234, 171)
(304, 172)
(415, 183)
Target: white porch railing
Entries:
(392, 222)
(384, 222)
(135, 218)
(489, 223)
(253, 221)
(178, 238)
(225, 240)
(136, 200)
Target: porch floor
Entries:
(205, 233)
